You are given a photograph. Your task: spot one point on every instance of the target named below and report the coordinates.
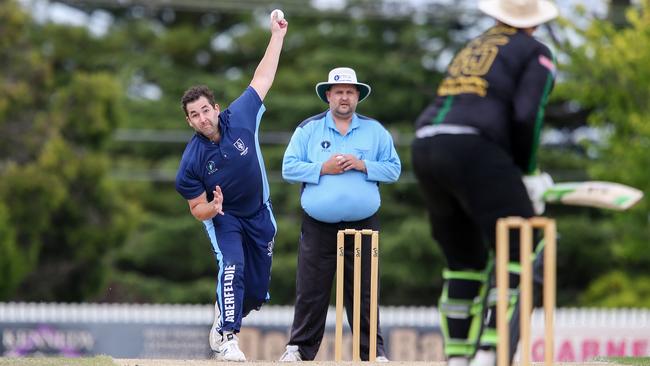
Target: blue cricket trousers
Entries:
(243, 247)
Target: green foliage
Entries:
(91, 107)
(173, 248)
(584, 252)
(59, 212)
(57, 361)
(618, 289)
(411, 263)
(608, 74)
(285, 260)
(10, 261)
(24, 82)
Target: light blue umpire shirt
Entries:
(350, 196)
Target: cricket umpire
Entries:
(339, 157)
(473, 145)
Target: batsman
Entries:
(475, 159)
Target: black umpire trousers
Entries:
(314, 279)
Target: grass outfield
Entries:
(108, 361)
(636, 361)
(57, 361)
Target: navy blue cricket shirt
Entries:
(235, 163)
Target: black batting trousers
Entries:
(315, 277)
(468, 183)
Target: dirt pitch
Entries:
(154, 362)
(140, 362)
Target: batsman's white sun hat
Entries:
(342, 75)
(520, 13)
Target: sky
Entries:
(99, 21)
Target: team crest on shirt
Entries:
(211, 167)
(325, 145)
(239, 145)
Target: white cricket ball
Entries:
(277, 14)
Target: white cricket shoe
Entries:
(381, 359)
(291, 354)
(458, 361)
(484, 358)
(229, 349)
(215, 337)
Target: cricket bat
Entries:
(609, 195)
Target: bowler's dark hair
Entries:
(194, 93)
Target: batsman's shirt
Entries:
(350, 196)
(498, 84)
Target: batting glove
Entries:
(536, 184)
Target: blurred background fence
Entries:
(180, 332)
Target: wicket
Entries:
(356, 308)
(525, 227)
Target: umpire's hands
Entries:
(341, 163)
(331, 166)
(349, 162)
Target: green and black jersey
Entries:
(499, 84)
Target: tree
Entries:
(607, 74)
(22, 71)
(59, 213)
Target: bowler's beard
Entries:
(215, 125)
(214, 135)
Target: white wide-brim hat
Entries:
(519, 13)
(342, 75)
